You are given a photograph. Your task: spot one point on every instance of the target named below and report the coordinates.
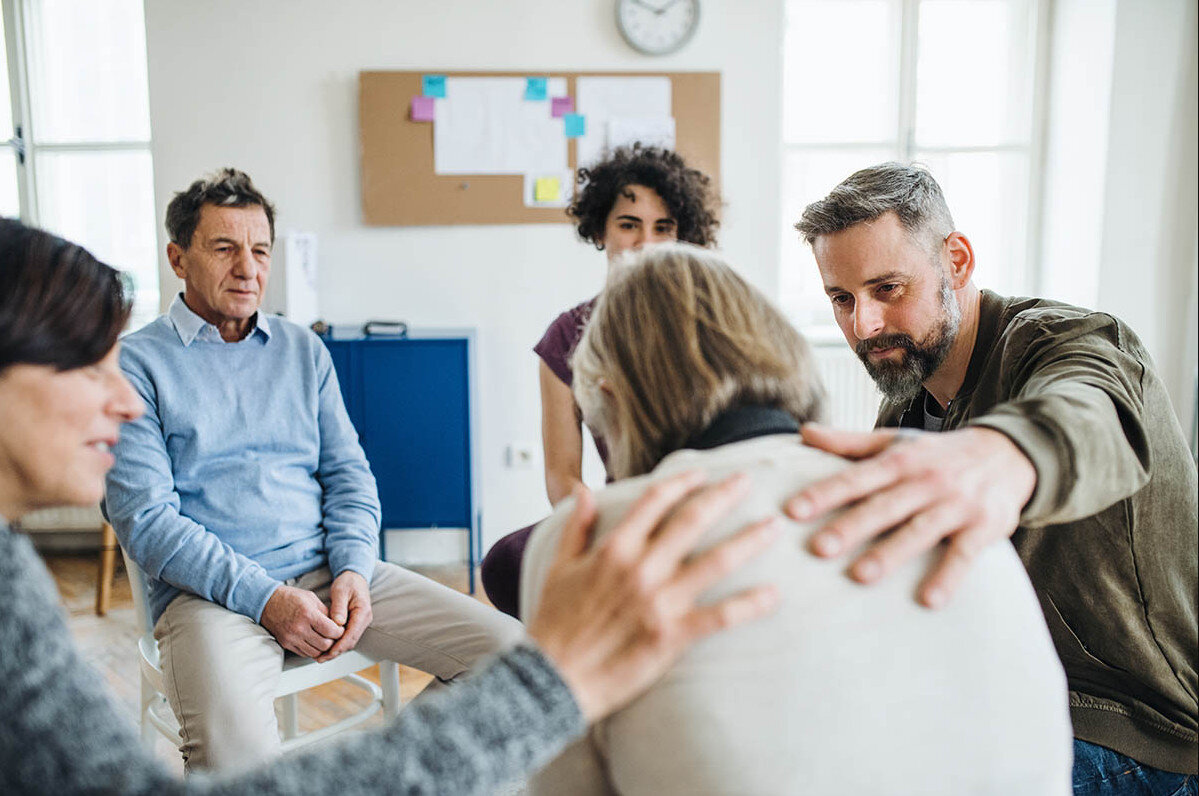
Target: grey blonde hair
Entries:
(908, 190)
(676, 339)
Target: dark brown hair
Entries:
(686, 192)
(226, 188)
(59, 305)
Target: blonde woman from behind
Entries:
(845, 689)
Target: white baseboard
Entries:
(426, 546)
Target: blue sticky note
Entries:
(535, 88)
(576, 124)
(433, 85)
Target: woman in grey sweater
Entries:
(614, 617)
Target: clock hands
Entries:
(658, 10)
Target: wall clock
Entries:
(657, 27)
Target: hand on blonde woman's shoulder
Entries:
(614, 616)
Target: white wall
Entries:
(1083, 34)
(1147, 265)
(1119, 229)
(270, 87)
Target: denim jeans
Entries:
(1098, 771)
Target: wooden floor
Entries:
(108, 643)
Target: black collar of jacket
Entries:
(742, 423)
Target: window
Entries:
(953, 84)
(78, 163)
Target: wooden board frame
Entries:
(399, 187)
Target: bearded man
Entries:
(1056, 432)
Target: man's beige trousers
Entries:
(221, 667)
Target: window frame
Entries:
(18, 21)
(14, 12)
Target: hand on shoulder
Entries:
(965, 488)
(615, 615)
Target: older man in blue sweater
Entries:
(244, 495)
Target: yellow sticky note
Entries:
(547, 189)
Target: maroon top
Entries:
(556, 346)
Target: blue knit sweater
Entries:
(245, 469)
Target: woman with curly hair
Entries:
(639, 196)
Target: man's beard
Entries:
(902, 381)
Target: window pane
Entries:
(105, 201)
(6, 128)
(840, 71)
(88, 71)
(974, 72)
(987, 194)
(808, 176)
(10, 204)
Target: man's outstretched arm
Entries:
(1069, 443)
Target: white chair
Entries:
(299, 674)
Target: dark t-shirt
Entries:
(556, 346)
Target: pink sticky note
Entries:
(422, 109)
(560, 106)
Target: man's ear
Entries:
(961, 259)
(175, 258)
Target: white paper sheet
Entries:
(601, 99)
(650, 131)
(566, 185)
(484, 125)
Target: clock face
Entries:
(657, 27)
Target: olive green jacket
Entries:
(1109, 535)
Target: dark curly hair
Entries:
(685, 191)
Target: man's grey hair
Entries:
(225, 188)
(909, 190)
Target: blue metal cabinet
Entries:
(412, 401)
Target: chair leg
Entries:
(291, 717)
(148, 731)
(389, 680)
(108, 566)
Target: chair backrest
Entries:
(137, 585)
(141, 595)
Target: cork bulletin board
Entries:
(400, 187)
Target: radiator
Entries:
(851, 397)
(75, 519)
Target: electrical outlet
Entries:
(520, 456)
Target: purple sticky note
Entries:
(422, 109)
(560, 106)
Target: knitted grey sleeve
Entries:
(60, 733)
